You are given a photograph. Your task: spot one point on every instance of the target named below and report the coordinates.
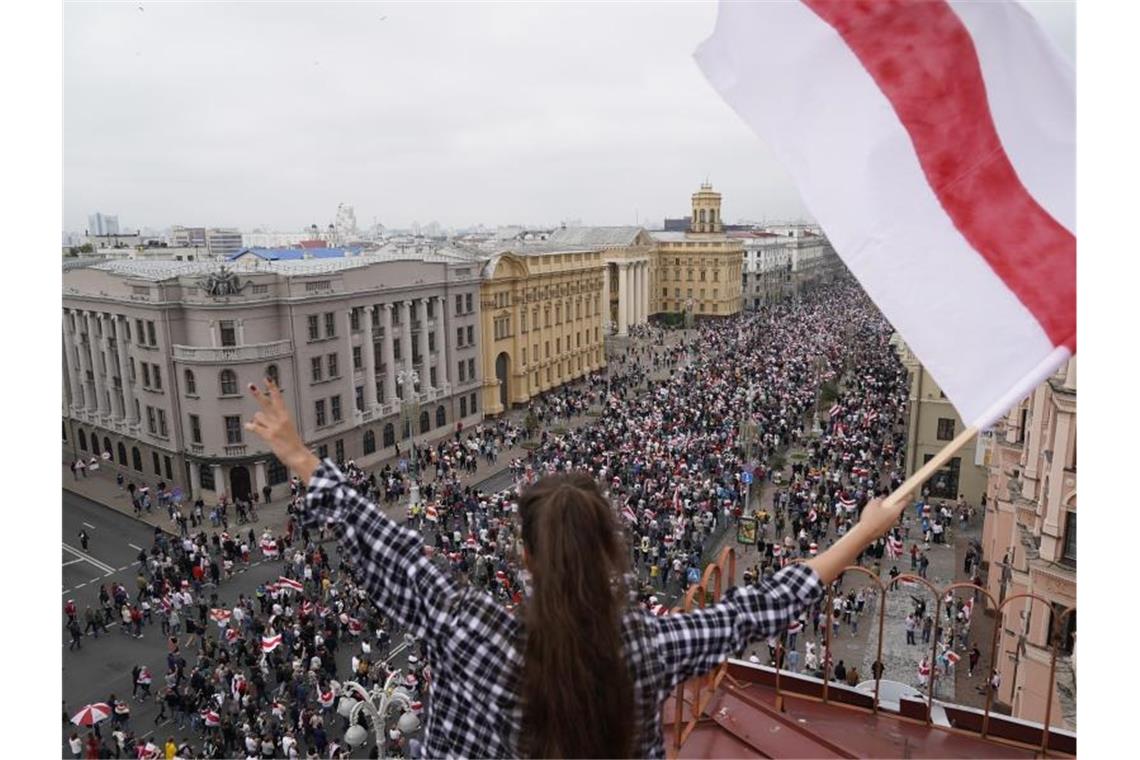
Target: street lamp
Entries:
(376, 705)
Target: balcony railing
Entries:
(235, 450)
(232, 354)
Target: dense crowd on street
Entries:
(671, 428)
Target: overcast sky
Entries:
(269, 114)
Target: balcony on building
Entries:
(253, 352)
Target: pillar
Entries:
(606, 298)
(348, 403)
(369, 359)
(645, 291)
(260, 476)
(387, 353)
(90, 403)
(73, 372)
(132, 416)
(623, 298)
(116, 401)
(195, 481)
(219, 480)
(93, 341)
(425, 360)
(441, 338)
(639, 301)
(406, 323)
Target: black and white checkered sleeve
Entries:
(388, 560)
(691, 644)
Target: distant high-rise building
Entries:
(187, 237)
(223, 241)
(102, 224)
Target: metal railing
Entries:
(696, 693)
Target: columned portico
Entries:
(132, 415)
(421, 317)
(441, 340)
(623, 299)
(406, 343)
(606, 299)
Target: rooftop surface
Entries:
(596, 236)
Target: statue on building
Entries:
(223, 282)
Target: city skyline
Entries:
(265, 116)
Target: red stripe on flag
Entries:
(922, 57)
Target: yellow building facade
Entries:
(542, 312)
(699, 270)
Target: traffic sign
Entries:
(746, 477)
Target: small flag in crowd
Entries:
(289, 583)
(269, 643)
(231, 635)
(952, 172)
(432, 513)
(220, 616)
(628, 513)
(953, 657)
(894, 547)
(834, 411)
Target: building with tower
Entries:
(697, 271)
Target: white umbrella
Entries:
(92, 714)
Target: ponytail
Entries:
(577, 691)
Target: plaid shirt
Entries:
(473, 644)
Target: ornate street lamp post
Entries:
(376, 705)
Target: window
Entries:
(323, 451)
(339, 448)
(389, 435)
(157, 463)
(195, 429)
(206, 477)
(318, 285)
(131, 362)
(470, 335)
(1023, 428)
(233, 429)
(136, 458)
(431, 308)
(228, 333)
(139, 332)
(320, 407)
(369, 442)
(440, 417)
(357, 358)
(334, 404)
(260, 290)
(82, 440)
(151, 425)
(360, 397)
(162, 423)
(458, 305)
(467, 300)
(191, 384)
(157, 373)
(150, 336)
(459, 337)
(431, 378)
(523, 363)
(462, 406)
(396, 353)
(1069, 550)
(354, 320)
(314, 327)
(944, 484)
(472, 404)
(229, 382)
(522, 321)
(277, 472)
(1067, 633)
(146, 374)
(316, 365)
(271, 373)
(425, 422)
(122, 454)
(431, 342)
(463, 372)
(333, 370)
(330, 324)
(945, 429)
(166, 467)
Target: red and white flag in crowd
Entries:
(220, 616)
(628, 513)
(289, 583)
(431, 512)
(834, 411)
(953, 657)
(847, 503)
(677, 500)
(326, 697)
(211, 718)
(934, 140)
(269, 643)
(232, 635)
(894, 547)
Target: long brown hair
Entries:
(577, 692)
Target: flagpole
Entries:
(898, 497)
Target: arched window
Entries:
(440, 417)
(702, 216)
(107, 446)
(389, 435)
(271, 373)
(369, 442)
(425, 422)
(229, 382)
(136, 458)
(712, 216)
(122, 454)
(95, 444)
(82, 440)
(191, 385)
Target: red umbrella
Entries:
(92, 714)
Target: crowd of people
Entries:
(673, 428)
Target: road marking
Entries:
(89, 525)
(136, 548)
(81, 585)
(107, 569)
(124, 567)
(67, 591)
(72, 562)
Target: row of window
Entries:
(689, 275)
(227, 380)
(161, 465)
(333, 405)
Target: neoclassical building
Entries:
(158, 356)
(542, 313)
(1029, 539)
(698, 270)
(628, 255)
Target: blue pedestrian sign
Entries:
(746, 477)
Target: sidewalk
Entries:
(100, 486)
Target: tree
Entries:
(828, 394)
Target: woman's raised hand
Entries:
(274, 426)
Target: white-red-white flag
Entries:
(220, 615)
(269, 643)
(934, 141)
(289, 583)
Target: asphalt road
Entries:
(103, 665)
